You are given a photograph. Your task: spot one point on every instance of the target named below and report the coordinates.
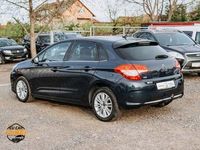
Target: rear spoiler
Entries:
(124, 44)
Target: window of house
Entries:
(81, 11)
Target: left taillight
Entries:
(131, 71)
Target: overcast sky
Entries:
(98, 7)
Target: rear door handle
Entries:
(87, 68)
(55, 69)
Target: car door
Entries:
(79, 68)
(45, 79)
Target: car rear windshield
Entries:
(139, 53)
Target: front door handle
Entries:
(87, 68)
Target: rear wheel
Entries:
(105, 105)
(162, 104)
(2, 60)
(23, 91)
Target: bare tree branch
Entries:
(17, 4)
(21, 25)
(152, 8)
(40, 5)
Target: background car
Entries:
(102, 72)
(44, 40)
(11, 51)
(178, 44)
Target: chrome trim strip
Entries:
(176, 96)
(165, 99)
(190, 70)
(156, 101)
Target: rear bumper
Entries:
(173, 97)
(142, 93)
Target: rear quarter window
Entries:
(189, 33)
(140, 53)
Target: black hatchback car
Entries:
(102, 72)
(178, 44)
(11, 51)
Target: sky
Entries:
(98, 7)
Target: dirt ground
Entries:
(51, 125)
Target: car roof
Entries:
(166, 30)
(116, 41)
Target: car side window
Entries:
(143, 35)
(197, 39)
(84, 51)
(56, 52)
(102, 54)
(149, 36)
(189, 33)
(137, 35)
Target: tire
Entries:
(2, 60)
(162, 104)
(198, 74)
(104, 105)
(22, 86)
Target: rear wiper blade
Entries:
(161, 56)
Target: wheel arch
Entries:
(97, 85)
(15, 79)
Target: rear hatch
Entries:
(145, 60)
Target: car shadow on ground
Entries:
(130, 114)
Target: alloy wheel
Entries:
(103, 105)
(21, 90)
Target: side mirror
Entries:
(35, 60)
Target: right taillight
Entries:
(131, 71)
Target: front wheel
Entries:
(23, 91)
(104, 104)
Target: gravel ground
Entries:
(58, 126)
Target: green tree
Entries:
(179, 15)
(195, 14)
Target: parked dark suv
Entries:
(102, 72)
(11, 51)
(178, 44)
